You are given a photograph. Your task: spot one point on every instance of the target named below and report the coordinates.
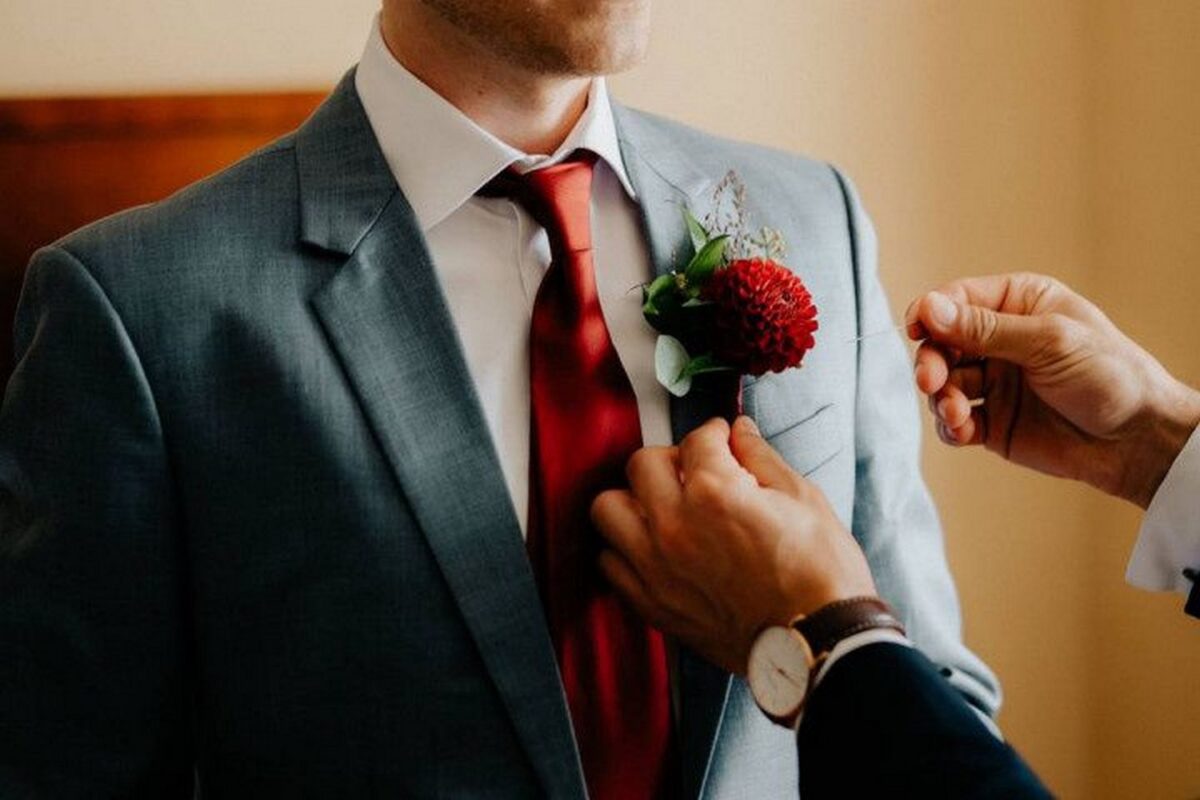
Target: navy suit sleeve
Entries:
(885, 723)
(93, 698)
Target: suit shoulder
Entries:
(757, 164)
(223, 207)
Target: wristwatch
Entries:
(784, 660)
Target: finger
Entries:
(757, 456)
(932, 368)
(707, 448)
(951, 406)
(933, 364)
(628, 584)
(620, 520)
(981, 331)
(970, 433)
(989, 291)
(653, 474)
(1021, 293)
(912, 322)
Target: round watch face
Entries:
(778, 671)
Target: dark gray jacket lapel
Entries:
(386, 318)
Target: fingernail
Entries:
(943, 309)
(750, 425)
(943, 407)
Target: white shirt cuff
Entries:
(1169, 540)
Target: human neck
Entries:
(532, 112)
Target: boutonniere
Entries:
(733, 307)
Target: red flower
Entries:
(764, 316)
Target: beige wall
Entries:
(143, 46)
(1144, 192)
(1055, 135)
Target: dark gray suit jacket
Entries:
(252, 524)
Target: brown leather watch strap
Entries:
(829, 624)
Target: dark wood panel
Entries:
(153, 116)
(65, 162)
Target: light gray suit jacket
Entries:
(253, 527)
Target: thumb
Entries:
(980, 331)
(757, 456)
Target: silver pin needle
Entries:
(873, 334)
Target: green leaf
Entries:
(696, 230)
(670, 361)
(701, 365)
(652, 294)
(706, 261)
(696, 302)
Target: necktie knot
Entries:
(558, 197)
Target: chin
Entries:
(555, 37)
(591, 37)
(603, 58)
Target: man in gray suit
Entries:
(265, 460)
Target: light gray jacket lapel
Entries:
(666, 182)
(386, 318)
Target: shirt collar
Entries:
(439, 156)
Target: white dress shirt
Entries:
(490, 255)
(1169, 541)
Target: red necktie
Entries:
(584, 426)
